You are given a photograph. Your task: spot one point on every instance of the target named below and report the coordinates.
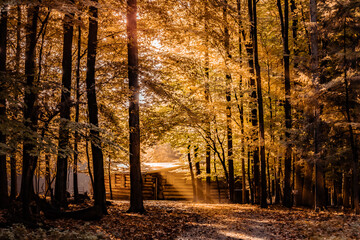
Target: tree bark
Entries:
(252, 194)
(319, 183)
(65, 107)
(13, 191)
(345, 190)
(230, 160)
(241, 107)
(254, 110)
(110, 187)
(208, 124)
(263, 193)
(192, 174)
(4, 198)
(98, 160)
(199, 185)
(30, 110)
(136, 197)
(284, 22)
(353, 145)
(77, 113)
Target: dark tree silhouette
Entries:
(3, 46)
(65, 107)
(136, 197)
(97, 154)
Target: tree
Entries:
(353, 145)
(3, 52)
(77, 113)
(30, 110)
(136, 198)
(319, 182)
(254, 116)
(97, 154)
(284, 22)
(263, 197)
(228, 104)
(65, 107)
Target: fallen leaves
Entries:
(186, 220)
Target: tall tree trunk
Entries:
(199, 185)
(263, 193)
(3, 47)
(97, 155)
(109, 173)
(271, 124)
(136, 197)
(77, 113)
(254, 111)
(88, 163)
(228, 104)
(65, 107)
(241, 106)
(207, 99)
(252, 194)
(47, 175)
(354, 150)
(284, 22)
(30, 110)
(13, 191)
(345, 190)
(268, 177)
(192, 174)
(319, 182)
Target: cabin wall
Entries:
(161, 186)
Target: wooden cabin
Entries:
(162, 181)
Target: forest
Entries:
(259, 96)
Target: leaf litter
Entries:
(186, 220)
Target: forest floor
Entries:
(185, 220)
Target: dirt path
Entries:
(227, 221)
(184, 220)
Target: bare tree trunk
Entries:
(47, 175)
(263, 193)
(110, 187)
(345, 190)
(254, 110)
(77, 114)
(98, 159)
(4, 197)
(88, 163)
(199, 185)
(13, 191)
(354, 150)
(192, 174)
(284, 22)
(249, 179)
(207, 99)
(228, 104)
(30, 110)
(319, 183)
(136, 197)
(241, 106)
(65, 107)
(268, 177)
